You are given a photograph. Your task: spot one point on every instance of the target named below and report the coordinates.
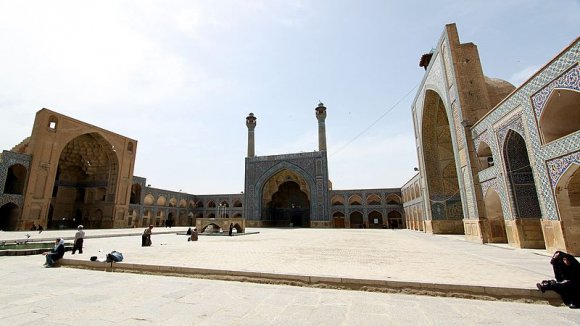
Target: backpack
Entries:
(114, 256)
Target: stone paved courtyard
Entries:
(68, 296)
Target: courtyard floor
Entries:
(32, 295)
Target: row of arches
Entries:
(414, 218)
(372, 199)
(151, 200)
(373, 220)
(173, 218)
(411, 193)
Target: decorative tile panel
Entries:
(557, 166)
(487, 184)
(569, 80)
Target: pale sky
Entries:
(181, 76)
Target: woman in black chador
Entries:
(567, 283)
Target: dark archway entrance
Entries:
(289, 206)
(356, 220)
(524, 197)
(338, 220)
(15, 179)
(85, 182)
(521, 178)
(9, 217)
(375, 220)
(394, 220)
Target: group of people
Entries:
(146, 236)
(566, 267)
(34, 228)
(58, 251)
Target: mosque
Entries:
(498, 164)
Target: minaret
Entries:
(321, 116)
(251, 124)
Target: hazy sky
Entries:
(181, 76)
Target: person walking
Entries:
(146, 237)
(79, 239)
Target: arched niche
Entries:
(496, 232)
(355, 200)
(393, 199)
(9, 214)
(15, 179)
(356, 220)
(337, 200)
(484, 156)
(568, 199)
(85, 181)
(561, 115)
(375, 220)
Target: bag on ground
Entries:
(114, 256)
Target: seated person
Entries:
(193, 236)
(55, 254)
(567, 283)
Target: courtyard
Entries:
(67, 295)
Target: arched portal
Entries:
(375, 220)
(568, 198)
(527, 231)
(356, 220)
(338, 220)
(395, 220)
(494, 218)
(440, 168)
(15, 179)
(289, 206)
(285, 200)
(9, 217)
(85, 180)
(520, 177)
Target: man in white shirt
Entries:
(79, 238)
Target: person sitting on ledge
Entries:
(193, 236)
(567, 283)
(55, 254)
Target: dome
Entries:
(497, 89)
